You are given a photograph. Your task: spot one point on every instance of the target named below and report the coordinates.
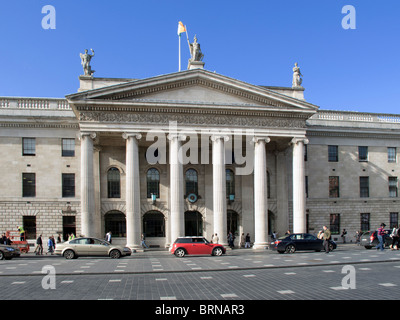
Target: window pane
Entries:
(333, 187)
(153, 182)
(154, 224)
(394, 219)
(362, 153)
(393, 187)
(114, 183)
(115, 222)
(334, 223)
(364, 187)
(191, 182)
(364, 221)
(68, 147)
(68, 185)
(391, 154)
(28, 146)
(230, 183)
(29, 224)
(28, 185)
(333, 154)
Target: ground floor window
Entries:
(334, 223)
(154, 224)
(365, 222)
(115, 222)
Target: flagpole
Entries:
(179, 52)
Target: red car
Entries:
(196, 245)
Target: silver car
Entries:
(81, 247)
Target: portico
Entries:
(262, 129)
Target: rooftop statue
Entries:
(297, 80)
(86, 57)
(195, 51)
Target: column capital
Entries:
(92, 135)
(127, 135)
(297, 140)
(216, 137)
(179, 136)
(261, 138)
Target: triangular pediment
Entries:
(194, 87)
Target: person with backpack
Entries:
(395, 238)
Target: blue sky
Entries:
(256, 41)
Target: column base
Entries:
(261, 245)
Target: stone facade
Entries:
(114, 122)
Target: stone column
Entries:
(88, 223)
(133, 235)
(219, 187)
(177, 218)
(282, 205)
(260, 193)
(299, 186)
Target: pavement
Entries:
(240, 275)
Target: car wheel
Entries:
(290, 249)
(115, 254)
(180, 253)
(69, 254)
(1, 255)
(217, 252)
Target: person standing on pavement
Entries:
(343, 235)
(215, 238)
(242, 240)
(326, 237)
(143, 243)
(247, 245)
(381, 237)
(395, 238)
(50, 246)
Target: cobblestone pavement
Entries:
(238, 275)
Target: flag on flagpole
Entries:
(181, 28)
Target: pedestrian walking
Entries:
(49, 246)
(215, 238)
(326, 236)
(230, 239)
(343, 235)
(381, 233)
(358, 237)
(247, 245)
(39, 246)
(143, 243)
(109, 237)
(395, 238)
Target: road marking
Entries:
(338, 288)
(19, 282)
(168, 298)
(290, 273)
(286, 292)
(229, 295)
(161, 279)
(327, 271)
(206, 278)
(364, 269)
(388, 284)
(249, 275)
(67, 281)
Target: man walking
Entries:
(326, 237)
(381, 237)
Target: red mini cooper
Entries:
(196, 245)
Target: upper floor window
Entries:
(364, 187)
(153, 182)
(113, 183)
(334, 187)
(28, 184)
(393, 187)
(391, 154)
(68, 147)
(362, 154)
(333, 153)
(28, 146)
(191, 182)
(68, 185)
(230, 183)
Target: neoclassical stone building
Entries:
(193, 153)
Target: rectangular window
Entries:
(394, 219)
(333, 187)
(334, 223)
(362, 154)
(364, 221)
(333, 153)
(68, 147)
(29, 185)
(364, 187)
(393, 187)
(306, 186)
(28, 146)
(391, 154)
(68, 185)
(29, 224)
(305, 152)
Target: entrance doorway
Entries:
(193, 223)
(69, 226)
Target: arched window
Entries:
(233, 222)
(230, 183)
(153, 182)
(191, 182)
(193, 223)
(114, 183)
(153, 224)
(115, 222)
